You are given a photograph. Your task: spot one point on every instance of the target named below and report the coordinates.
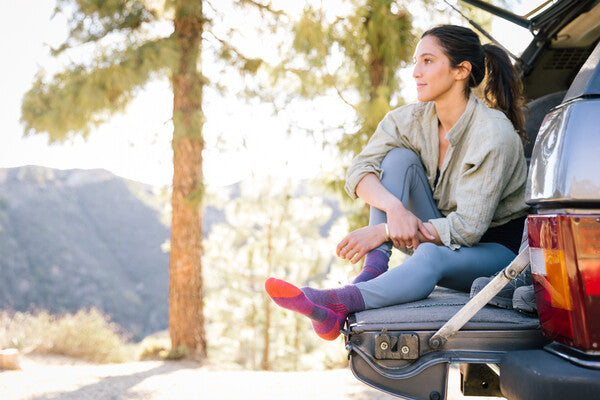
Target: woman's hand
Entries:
(406, 230)
(359, 242)
(434, 233)
(403, 225)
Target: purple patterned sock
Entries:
(341, 300)
(326, 323)
(376, 263)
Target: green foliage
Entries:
(358, 53)
(176, 353)
(92, 20)
(87, 334)
(374, 41)
(81, 97)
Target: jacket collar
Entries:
(455, 133)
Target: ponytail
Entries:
(503, 89)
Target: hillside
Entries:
(87, 238)
(72, 239)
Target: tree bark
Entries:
(266, 364)
(375, 62)
(186, 316)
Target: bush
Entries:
(154, 347)
(87, 334)
(158, 347)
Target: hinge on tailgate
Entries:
(463, 315)
(403, 347)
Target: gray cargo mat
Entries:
(432, 312)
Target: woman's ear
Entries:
(463, 70)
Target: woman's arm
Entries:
(359, 242)
(436, 237)
(406, 230)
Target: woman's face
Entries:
(435, 78)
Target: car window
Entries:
(526, 8)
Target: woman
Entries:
(444, 177)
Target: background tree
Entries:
(274, 228)
(355, 51)
(121, 53)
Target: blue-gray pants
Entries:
(430, 265)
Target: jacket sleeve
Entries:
(479, 190)
(385, 138)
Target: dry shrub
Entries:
(154, 347)
(87, 334)
(158, 347)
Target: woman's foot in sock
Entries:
(342, 300)
(376, 263)
(326, 323)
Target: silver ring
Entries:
(409, 246)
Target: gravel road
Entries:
(56, 378)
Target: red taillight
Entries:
(565, 263)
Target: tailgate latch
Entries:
(403, 347)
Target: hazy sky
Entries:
(25, 27)
(137, 145)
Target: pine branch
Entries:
(90, 22)
(84, 96)
(247, 64)
(263, 7)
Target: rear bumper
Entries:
(539, 375)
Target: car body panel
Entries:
(538, 374)
(566, 157)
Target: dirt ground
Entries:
(56, 378)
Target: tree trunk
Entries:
(266, 365)
(186, 317)
(376, 62)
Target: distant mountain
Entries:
(81, 238)
(72, 239)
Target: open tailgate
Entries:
(389, 349)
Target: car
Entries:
(406, 350)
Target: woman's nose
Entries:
(416, 71)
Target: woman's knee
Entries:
(429, 251)
(399, 158)
(430, 256)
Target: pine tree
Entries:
(271, 230)
(355, 52)
(87, 93)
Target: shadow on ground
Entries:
(113, 387)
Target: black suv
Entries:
(406, 350)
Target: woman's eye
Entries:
(427, 61)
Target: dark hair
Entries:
(503, 88)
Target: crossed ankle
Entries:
(326, 323)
